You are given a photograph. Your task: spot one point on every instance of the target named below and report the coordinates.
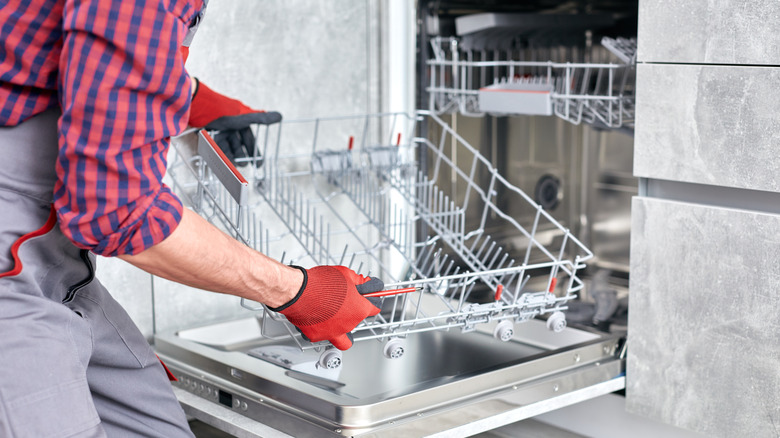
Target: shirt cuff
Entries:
(153, 226)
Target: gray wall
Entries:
(703, 322)
(303, 58)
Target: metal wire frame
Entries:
(594, 93)
(388, 195)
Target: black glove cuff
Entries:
(298, 295)
(197, 87)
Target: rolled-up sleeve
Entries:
(123, 92)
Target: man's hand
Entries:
(231, 117)
(329, 304)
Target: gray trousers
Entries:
(72, 362)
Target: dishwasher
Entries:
(495, 216)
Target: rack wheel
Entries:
(504, 330)
(330, 359)
(556, 322)
(395, 348)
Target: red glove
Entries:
(231, 117)
(329, 305)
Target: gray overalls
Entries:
(72, 362)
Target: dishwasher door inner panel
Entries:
(441, 373)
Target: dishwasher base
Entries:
(448, 382)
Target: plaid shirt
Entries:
(114, 69)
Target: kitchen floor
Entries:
(524, 429)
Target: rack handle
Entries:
(384, 293)
(226, 172)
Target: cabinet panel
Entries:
(703, 345)
(712, 31)
(709, 125)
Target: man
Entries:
(90, 92)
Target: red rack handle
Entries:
(384, 293)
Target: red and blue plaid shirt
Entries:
(114, 69)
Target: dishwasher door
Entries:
(447, 382)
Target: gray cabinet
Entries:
(703, 328)
(711, 31)
(703, 124)
(704, 320)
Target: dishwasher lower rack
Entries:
(388, 195)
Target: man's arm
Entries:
(323, 302)
(124, 92)
(200, 255)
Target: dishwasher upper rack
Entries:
(475, 82)
(358, 190)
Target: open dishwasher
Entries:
(479, 273)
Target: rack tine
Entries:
(434, 263)
(324, 248)
(425, 267)
(499, 251)
(468, 289)
(520, 287)
(449, 268)
(482, 248)
(344, 254)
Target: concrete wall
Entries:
(303, 58)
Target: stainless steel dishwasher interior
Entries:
(581, 171)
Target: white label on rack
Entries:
(525, 97)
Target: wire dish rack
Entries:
(388, 195)
(476, 81)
